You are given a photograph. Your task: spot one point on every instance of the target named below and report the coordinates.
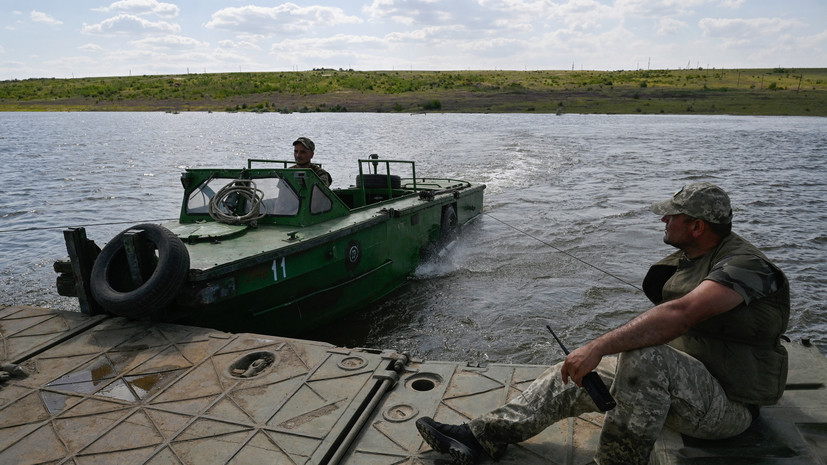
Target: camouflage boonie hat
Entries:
(702, 200)
(306, 142)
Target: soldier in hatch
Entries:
(303, 150)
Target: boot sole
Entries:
(445, 444)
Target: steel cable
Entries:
(244, 188)
(566, 253)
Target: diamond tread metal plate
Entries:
(132, 392)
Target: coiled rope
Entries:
(243, 188)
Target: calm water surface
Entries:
(566, 237)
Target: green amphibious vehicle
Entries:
(271, 249)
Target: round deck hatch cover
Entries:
(353, 362)
(400, 412)
(251, 365)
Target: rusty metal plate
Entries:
(26, 331)
(131, 392)
(454, 393)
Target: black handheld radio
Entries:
(594, 385)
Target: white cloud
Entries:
(141, 38)
(523, 6)
(657, 8)
(129, 24)
(286, 18)
(431, 34)
(40, 17)
(496, 17)
(471, 14)
(772, 41)
(733, 4)
(668, 26)
(419, 11)
(91, 48)
(585, 15)
(336, 51)
(170, 41)
(492, 44)
(242, 44)
(325, 46)
(143, 7)
(583, 11)
(745, 28)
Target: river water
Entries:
(566, 236)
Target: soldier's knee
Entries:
(644, 360)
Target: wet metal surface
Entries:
(455, 393)
(110, 390)
(26, 331)
(127, 392)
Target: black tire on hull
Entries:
(112, 288)
(448, 225)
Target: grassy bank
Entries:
(702, 91)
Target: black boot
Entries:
(456, 440)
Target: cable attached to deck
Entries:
(568, 254)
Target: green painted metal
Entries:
(286, 254)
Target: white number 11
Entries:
(276, 269)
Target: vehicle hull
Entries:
(272, 251)
(315, 281)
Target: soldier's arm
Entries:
(658, 325)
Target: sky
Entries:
(89, 38)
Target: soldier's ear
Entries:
(698, 227)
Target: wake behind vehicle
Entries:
(271, 249)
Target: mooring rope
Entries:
(46, 228)
(568, 254)
(526, 233)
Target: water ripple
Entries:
(558, 187)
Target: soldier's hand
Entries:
(579, 363)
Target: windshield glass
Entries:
(319, 201)
(278, 197)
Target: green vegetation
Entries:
(776, 91)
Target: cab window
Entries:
(319, 201)
(278, 198)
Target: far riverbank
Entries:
(777, 91)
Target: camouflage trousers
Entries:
(653, 387)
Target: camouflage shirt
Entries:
(321, 173)
(740, 347)
(748, 275)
